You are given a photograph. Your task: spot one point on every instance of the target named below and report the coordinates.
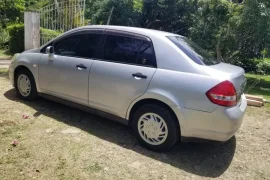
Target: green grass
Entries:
(262, 88)
(4, 72)
(5, 54)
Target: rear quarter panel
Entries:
(185, 90)
(180, 91)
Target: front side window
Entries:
(193, 51)
(129, 50)
(81, 45)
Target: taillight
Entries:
(223, 94)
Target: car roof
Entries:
(141, 31)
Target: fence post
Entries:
(31, 30)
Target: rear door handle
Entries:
(81, 66)
(139, 75)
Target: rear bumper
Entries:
(219, 125)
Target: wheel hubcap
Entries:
(24, 85)
(152, 128)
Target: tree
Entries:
(215, 27)
(254, 29)
(98, 12)
(11, 11)
(169, 15)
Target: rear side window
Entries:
(129, 50)
(81, 45)
(193, 51)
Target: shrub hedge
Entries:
(47, 34)
(263, 67)
(4, 38)
(16, 41)
(16, 33)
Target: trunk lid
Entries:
(234, 74)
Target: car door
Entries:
(123, 73)
(66, 76)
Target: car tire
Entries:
(25, 85)
(155, 127)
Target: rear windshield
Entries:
(193, 51)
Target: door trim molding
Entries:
(85, 108)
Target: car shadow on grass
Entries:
(203, 159)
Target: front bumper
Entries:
(219, 125)
(11, 69)
(11, 74)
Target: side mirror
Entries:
(50, 52)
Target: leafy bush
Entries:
(16, 33)
(47, 35)
(263, 67)
(4, 38)
(16, 41)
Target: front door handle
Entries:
(139, 75)
(81, 66)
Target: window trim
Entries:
(126, 34)
(83, 31)
(104, 33)
(196, 60)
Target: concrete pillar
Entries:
(31, 30)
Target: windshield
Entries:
(193, 51)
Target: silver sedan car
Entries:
(161, 84)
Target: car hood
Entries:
(37, 50)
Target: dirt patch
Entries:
(106, 150)
(4, 64)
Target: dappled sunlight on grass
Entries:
(262, 88)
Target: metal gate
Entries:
(59, 17)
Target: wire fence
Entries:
(61, 17)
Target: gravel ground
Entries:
(59, 142)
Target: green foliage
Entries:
(11, 11)
(16, 42)
(254, 29)
(169, 15)
(263, 67)
(262, 87)
(258, 66)
(98, 11)
(16, 33)
(4, 38)
(33, 5)
(214, 27)
(138, 5)
(48, 34)
(236, 33)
